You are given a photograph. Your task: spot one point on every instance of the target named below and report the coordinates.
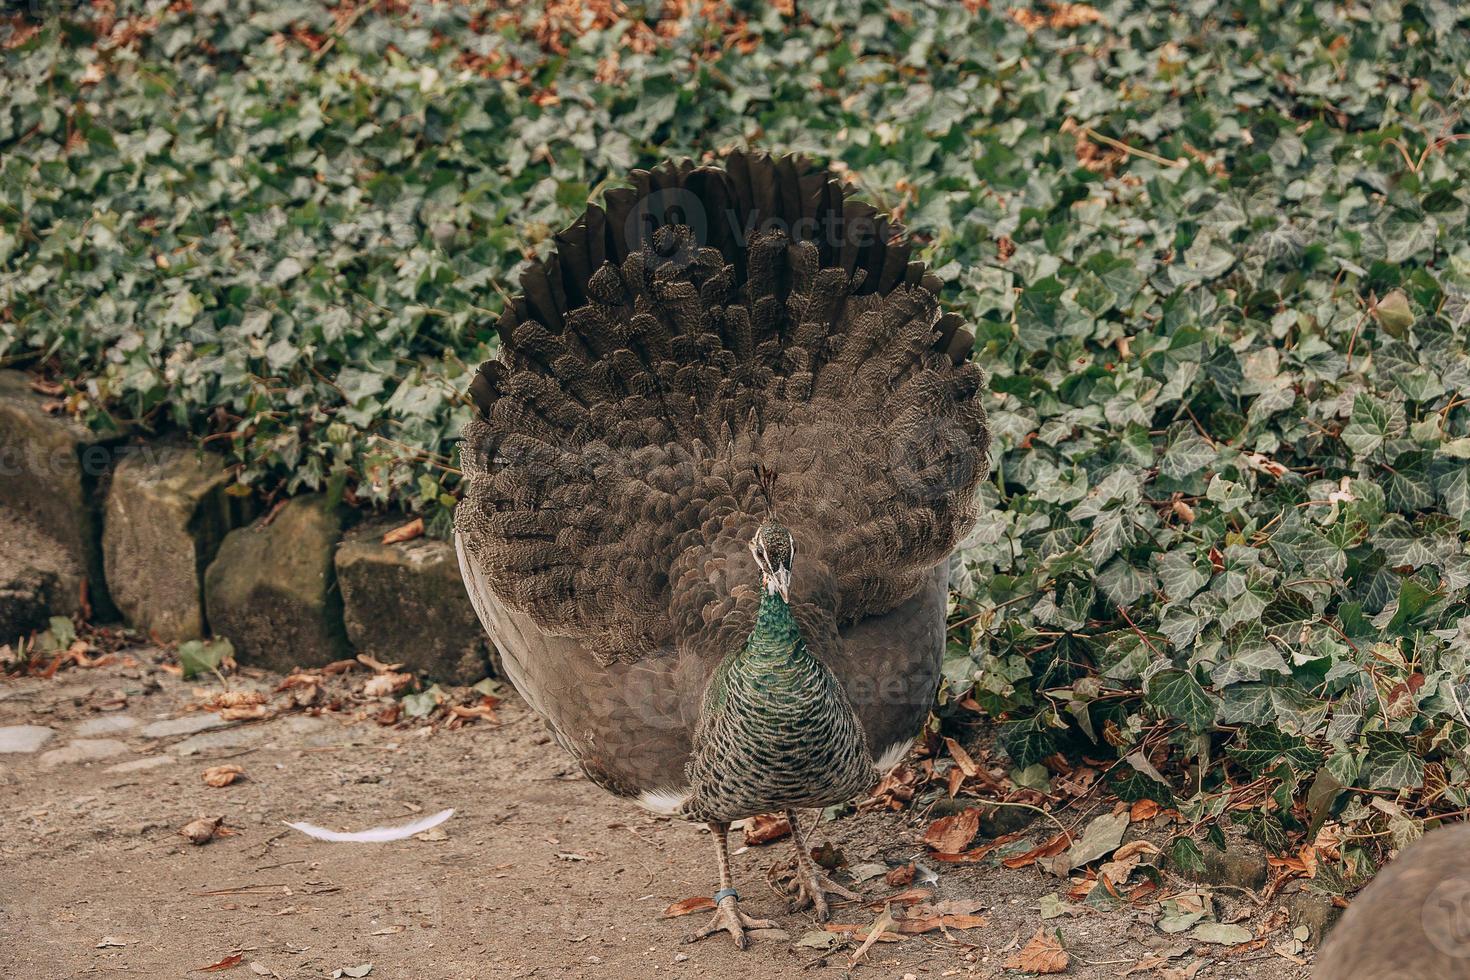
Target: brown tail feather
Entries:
(649, 369)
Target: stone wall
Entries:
(153, 533)
(54, 472)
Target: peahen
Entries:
(712, 487)
(1412, 922)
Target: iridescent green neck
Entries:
(775, 635)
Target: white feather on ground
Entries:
(374, 835)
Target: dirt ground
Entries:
(538, 873)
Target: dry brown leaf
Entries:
(766, 827)
(1134, 847)
(300, 678)
(1182, 972)
(895, 789)
(1143, 810)
(949, 906)
(910, 896)
(485, 710)
(900, 877)
(220, 700)
(961, 757)
(950, 835)
(377, 665)
(1051, 848)
(202, 830)
(915, 927)
(884, 921)
(1042, 954)
(245, 712)
(973, 856)
(1119, 868)
(405, 532)
(699, 903)
(218, 776)
(228, 963)
(861, 930)
(385, 685)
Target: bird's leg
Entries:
(811, 886)
(727, 917)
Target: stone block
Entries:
(54, 471)
(406, 603)
(24, 738)
(38, 578)
(183, 725)
(272, 588)
(1241, 865)
(167, 514)
(83, 750)
(1318, 912)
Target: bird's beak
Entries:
(781, 582)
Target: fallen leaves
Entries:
(228, 963)
(1120, 866)
(305, 686)
(374, 664)
(386, 684)
(909, 896)
(1220, 934)
(205, 657)
(1050, 848)
(483, 710)
(1101, 838)
(952, 834)
(699, 903)
(203, 830)
(1043, 954)
(917, 925)
(895, 790)
(1143, 810)
(220, 776)
(1063, 17)
(237, 705)
(764, 828)
(405, 532)
(883, 922)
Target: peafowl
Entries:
(712, 485)
(1412, 922)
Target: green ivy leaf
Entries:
(1176, 694)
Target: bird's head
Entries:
(774, 551)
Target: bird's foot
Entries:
(811, 888)
(729, 918)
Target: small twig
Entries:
(1141, 634)
(352, 18)
(1353, 340)
(1027, 806)
(1119, 145)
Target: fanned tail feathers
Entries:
(646, 376)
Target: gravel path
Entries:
(538, 874)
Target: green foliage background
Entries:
(1226, 544)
